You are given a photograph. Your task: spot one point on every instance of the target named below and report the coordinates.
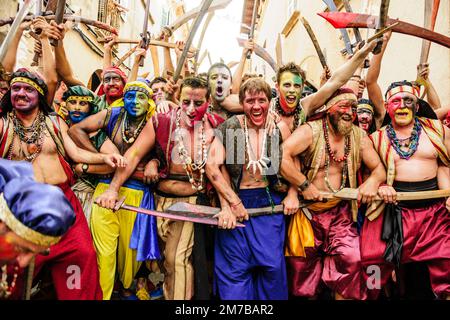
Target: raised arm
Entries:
(80, 132)
(107, 51)
(316, 100)
(48, 60)
(373, 88)
(135, 68)
(63, 67)
(423, 73)
(237, 76)
(9, 61)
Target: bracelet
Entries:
(355, 76)
(232, 206)
(304, 185)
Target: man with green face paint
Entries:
(129, 236)
(291, 108)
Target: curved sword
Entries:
(203, 10)
(314, 40)
(262, 53)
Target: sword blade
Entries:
(204, 9)
(180, 216)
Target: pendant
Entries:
(131, 140)
(32, 148)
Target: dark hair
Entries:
(255, 85)
(219, 65)
(292, 68)
(366, 101)
(195, 83)
(157, 80)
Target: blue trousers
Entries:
(249, 262)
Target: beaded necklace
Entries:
(295, 112)
(32, 136)
(190, 165)
(263, 160)
(329, 154)
(398, 143)
(130, 137)
(5, 288)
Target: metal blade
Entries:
(314, 40)
(217, 4)
(348, 45)
(262, 53)
(348, 8)
(204, 9)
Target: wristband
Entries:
(304, 185)
(235, 205)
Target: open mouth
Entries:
(291, 99)
(346, 118)
(402, 113)
(219, 91)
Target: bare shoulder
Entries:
(284, 130)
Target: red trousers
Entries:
(72, 261)
(426, 237)
(334, 261)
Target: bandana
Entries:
(343, 93)
(142, 87)
(116, 70)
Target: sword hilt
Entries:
(119, 203)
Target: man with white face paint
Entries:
(223, 103)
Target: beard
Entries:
(341, 126)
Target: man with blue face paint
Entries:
(80, 103)
(122, 237)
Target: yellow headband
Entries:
(142, 87)
(79, 98)
(22, 230)
(405, 88)
(365, 106)
(344, 96)
(28, 81)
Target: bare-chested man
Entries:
(182, 139)
(331, 150)
(413, 149)
(242, 166)
(31, 132)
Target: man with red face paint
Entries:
(413, 148)
(242, 166)
(33, 133)
(364, 112)
(182, 140)
(331, 150)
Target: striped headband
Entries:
(30, 82)
(365, 106)
(140, 89)
(405, 88)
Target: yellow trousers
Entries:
(111, 232)
(178, 239)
